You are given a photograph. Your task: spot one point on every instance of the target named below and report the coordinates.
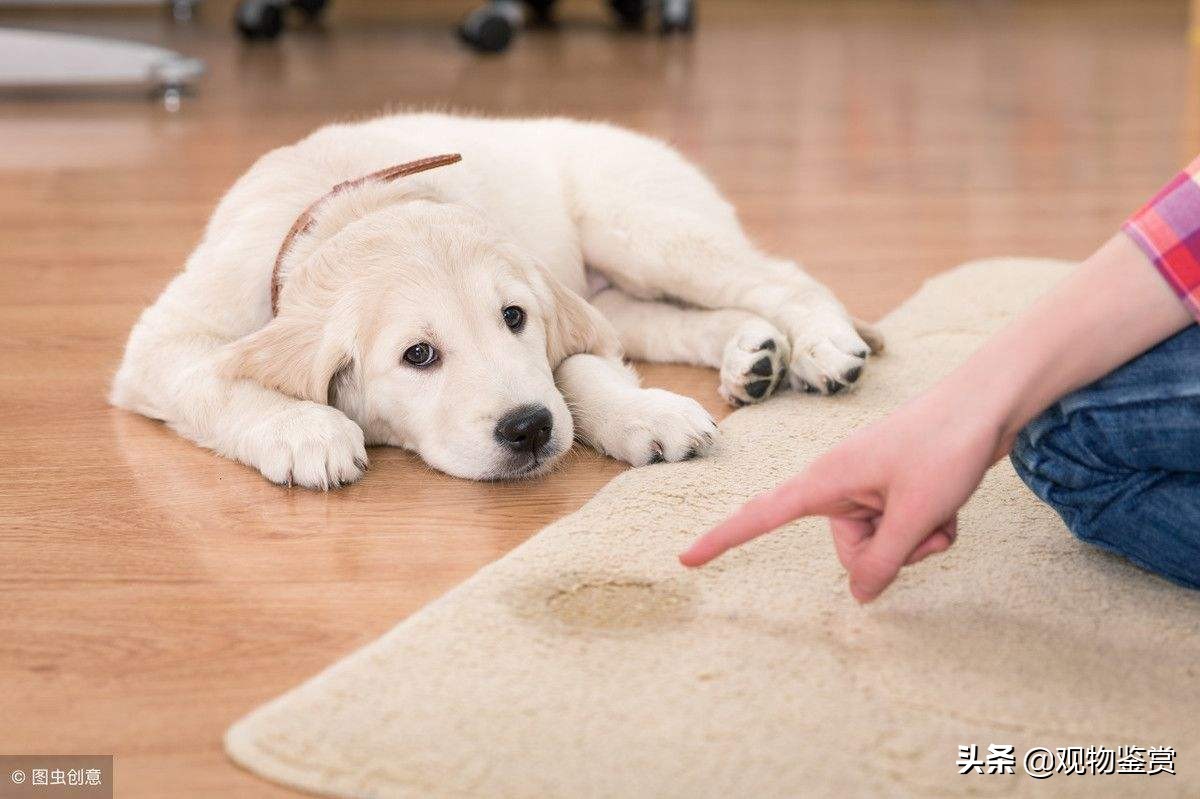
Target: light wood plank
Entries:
(150, 593)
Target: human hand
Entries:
(891, 491)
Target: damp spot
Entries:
(618, 604)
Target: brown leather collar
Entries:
(305, 221)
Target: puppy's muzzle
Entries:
(526, 429)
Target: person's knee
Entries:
(1057, 456)
(1139, 514)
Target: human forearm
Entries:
(1111, 309)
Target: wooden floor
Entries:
(151, 593)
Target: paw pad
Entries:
(753, 365)
(758, 389)
(763, 367)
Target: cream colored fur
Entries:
(535, 210)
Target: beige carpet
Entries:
(588, 663)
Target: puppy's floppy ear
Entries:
(291, 355)
(574, 325)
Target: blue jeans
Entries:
(1120, 459)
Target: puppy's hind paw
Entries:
(754, 363)
(828, 356)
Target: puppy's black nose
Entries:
(525, 429)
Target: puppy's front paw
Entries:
(754, 362)
(307, 444)
(655, 426)
(828, 354)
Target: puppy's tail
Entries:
(870, 335)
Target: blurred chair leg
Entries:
(541, 13)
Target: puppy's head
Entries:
(433, 334)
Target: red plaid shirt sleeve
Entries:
(1168, 230)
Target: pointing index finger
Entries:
(760, 515)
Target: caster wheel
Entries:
(678, 16)
(631, 14)
(183, 11)
(487, 31)
(173, 77)
(258, 19)
(311, 9)
(172, 98)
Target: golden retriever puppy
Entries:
(351, 290)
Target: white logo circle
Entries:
(18, 777)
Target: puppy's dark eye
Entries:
(514, 317)
(420, 355)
